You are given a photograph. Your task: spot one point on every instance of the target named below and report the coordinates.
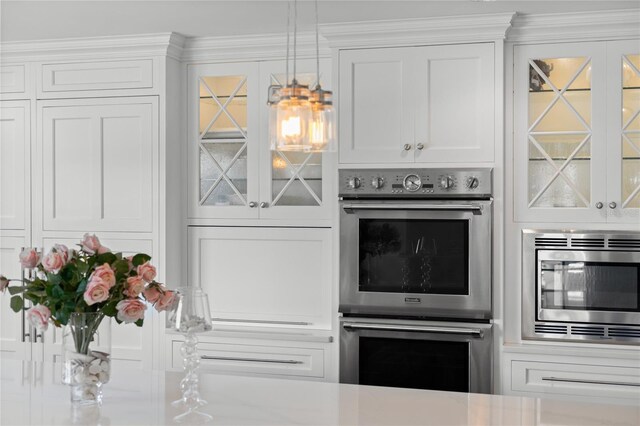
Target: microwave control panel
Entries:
(416, 183)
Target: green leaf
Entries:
(57, 292)
(106, 258)
(82, 286)
(54, 279)
(139, 322)
(16, 290)
(17, 303)
(140, 258)
(110, 308)
(121, 266)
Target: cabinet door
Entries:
(376, 106)
(11, 324)
(14, 163)
(99, 162)
(223, 138)
(623, 131)
(560, 132)
(270, 276)
(455, 108)
(293, 185)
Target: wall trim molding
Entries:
(407, 32)
(578, 26)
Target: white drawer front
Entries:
(97, 76)
(575, 379)
(12, 79)
(273, 360)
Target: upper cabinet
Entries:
(417, 104)
(14, 163)
(577, 132)
(14, 81)
(233, 174)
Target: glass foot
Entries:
(182, 401)
(193, 417)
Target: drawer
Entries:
(255, 359)
(90, 76)
(13, 80)
(576, 380)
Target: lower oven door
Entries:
(416, 354)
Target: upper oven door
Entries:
(426, 258)
(588, 286)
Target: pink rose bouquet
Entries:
(91, 279)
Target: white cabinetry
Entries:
(232, 172)
(577, 132)
(14, 83)
(273, 276)
(417, 104)
(15, 151)
(97, 159)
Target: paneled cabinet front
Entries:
(270, 276)
(417, 104)
(98, 163)
(233, 174)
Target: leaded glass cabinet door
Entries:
(224, 140)
(559, 132)
(294, 185)
(623, 152)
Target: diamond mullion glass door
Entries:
(293, 184)
(623, 136)
(223, 133)
(559, 132)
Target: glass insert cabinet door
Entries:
(559, 134)
(623, 61)
(223, 140)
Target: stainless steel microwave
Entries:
(581, 286)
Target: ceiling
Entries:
(35, 20)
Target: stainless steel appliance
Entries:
(416, 242)
(447, 356)
(415, 278)
(581, 286)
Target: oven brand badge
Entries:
(412, 300)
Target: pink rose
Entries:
(90, 243)
(64, 252)
(53, 261)
(152, 294)
(4, 283)
(129, 260)
(103, 249)
(97, 291)
(147, 271)
(134, 286)
(130, 310)
(38, 317)
(166, 302)
(29, 258)
(104, 273)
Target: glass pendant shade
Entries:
(322, 124)
(290, 119)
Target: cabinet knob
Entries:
(599, 205)
(253, 204)
(264, 205)
(612, 205)
(420, 146)
(407, 146)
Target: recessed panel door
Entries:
(14, 163)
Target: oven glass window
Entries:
(414, 256)
(590, 285)
(417, 364)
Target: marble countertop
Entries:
(31, 393)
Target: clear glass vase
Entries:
(86, 356)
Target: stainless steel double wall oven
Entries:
(415, 278)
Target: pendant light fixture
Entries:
(299, 119)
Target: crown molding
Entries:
(583, 26)
(407, 32)
(251, 47)
(162, 44)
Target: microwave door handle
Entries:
(415, 328)
(475, 208)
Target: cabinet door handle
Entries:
(264, 205)
(599, 205)
(252, 204)
(592, 382)
(407, 147)
(612, 205)
(420, 146)
(265, 360)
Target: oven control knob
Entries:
(446, 182)
(377, 182)
(354, 182)
(472, 182)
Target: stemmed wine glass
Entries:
(190, 317)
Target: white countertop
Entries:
(31, 393)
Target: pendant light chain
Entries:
(317, 49)
(295, 34)
(286, 81)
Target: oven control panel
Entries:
(415, 183)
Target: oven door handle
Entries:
(475, 208)
(475, 332)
